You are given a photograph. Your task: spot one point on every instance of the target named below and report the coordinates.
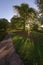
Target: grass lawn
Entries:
(30, 48)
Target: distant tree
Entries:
(3, 27)
(41, 19)
(4, 24)
(39, 4)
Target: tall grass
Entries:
(30, 48)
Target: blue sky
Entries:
(6, 7)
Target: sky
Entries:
(6, 7)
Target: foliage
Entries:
(40, 4)
(17, 23)
(41, 19)
(24, 46)
(30, 49)
(26, 12)
(3, 27)
(34, 27)
(37, 37)
(3, 24)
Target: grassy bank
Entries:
(30, 48)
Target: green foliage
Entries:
(34, 27)
(3, 27)
(3, 24)
(25, 12)
(30, 49)
(37, 37)
(17, 23)
(2, 34)
(24, 47)
(40, 4)
(41, 19)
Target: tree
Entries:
(4, 24)
(26, 12)
(17, 23)
(40, 4)
(41, 19)
(3, 27)
(34, 27)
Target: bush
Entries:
(3, 28)
(2, 34)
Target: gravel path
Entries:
(8, 55)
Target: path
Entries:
(8, 55)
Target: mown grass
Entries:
(30, 48)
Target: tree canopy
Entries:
(40, 6)
(3, 23)
(17, 22)
(26, 12)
